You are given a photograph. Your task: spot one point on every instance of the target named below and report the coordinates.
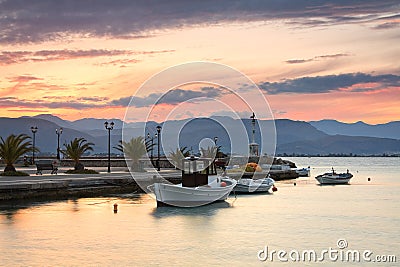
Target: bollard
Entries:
(115, 208)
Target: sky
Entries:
(311, 60)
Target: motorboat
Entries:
(303, 172)
(198, 188)
(248, 185)
(334, 178)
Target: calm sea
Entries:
(362, 216)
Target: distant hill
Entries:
(341, 144)
(46, 138)
(332, 127)
(297, 137)
(85, 124)
(88, 124)
(56, 120)
(290, 131)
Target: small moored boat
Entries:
(303, 172)
(248, 185)
(334, 178)
(197, 187)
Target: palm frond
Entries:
(134, 149)
(178, 155)
(209, 152)
(119, 147)
(13, 147)
(76, 148)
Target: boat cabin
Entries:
(195, 171)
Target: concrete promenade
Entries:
(78, 185)
(64, 185)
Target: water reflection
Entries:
(207, 210)
(15, 205)
(9, 217)
(10, 210)
(75, 205)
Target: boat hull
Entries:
(304, 172)
(334, 179)
(176, 195)
(249, 186)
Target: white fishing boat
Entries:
(197, 187)
(334, 178)
(248, 185)
(303, 172)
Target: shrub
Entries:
(84, 171)
(12, 173)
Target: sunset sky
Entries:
(312, 59)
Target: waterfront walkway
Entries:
(117, 172)
(62, 184)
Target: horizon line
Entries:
(260, 119)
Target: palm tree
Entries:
(178, 155)
(210, 152)
(149, 145)
(75, 149)
(119, 147)
(134, 149)
(14, 147)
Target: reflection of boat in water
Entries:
(201, 211)
(334, 178)
(197, 187)
(248, 185)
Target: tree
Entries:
(119, 147)
(219, 153)
(209, 152)
(134, 150)
(178, 155)
(14, 147)
(75, 149)
(149, 145)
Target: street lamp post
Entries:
(34, 130)
(109, 128)
(58, 133)
(158, 146)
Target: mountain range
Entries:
(292, 137)
(332, 127)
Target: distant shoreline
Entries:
(338, 156)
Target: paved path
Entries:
(78, 185)
(117, 173)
